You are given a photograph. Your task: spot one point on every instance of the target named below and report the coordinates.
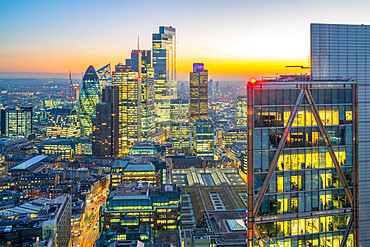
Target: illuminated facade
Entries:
(52, 103)
(129, 84)
(63, 123)
(128, 171)
(16, 121)
(65, 148)
(165, 78)
(233, 136)
(158, 206)
(144, 148)
(198, 93)
(301, 169)
(142, 59)
(179, 127)
(3, 167)
(105, 141)
(203, 138)
(342, 51)
(128, 229)
(89, 97)
(105, 76)
(241, 112)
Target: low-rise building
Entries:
(128, 229)
(39, 181)
(31, 165)
(78, 214)
(41, 220)
(218, 228)
(180, 161)
(158, 206)
(10, 199)
(65, 148)
(131, 171)
(233, 136)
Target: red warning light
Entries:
(253, 83)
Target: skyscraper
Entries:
(105, 76)
(129, 84)
(203, 138)
(179, 127)
(89, 97)
(343, 52)
(141, 62)
(198, 93)
(16, 121)
(210, 90)
(165, 78)
(241, 111)
(63, 123)
(105, 141)
(301, 163)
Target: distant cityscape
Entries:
(130, 156)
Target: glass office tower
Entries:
(105, 76)
(302, 169)
(165, 78)
(16, 121)
(198, 93)
(89, 97)
(343, 51)
(105, 136)
(63, 123)
(129, 84)
(203, 138)
(141, 62)
(179, 127)
(241, 111)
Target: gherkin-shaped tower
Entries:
(89, 97)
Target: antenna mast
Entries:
(70, 87)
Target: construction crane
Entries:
(63, 96)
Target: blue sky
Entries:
(58, 36)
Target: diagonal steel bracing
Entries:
(279, 149)
(329, 146)
(257, 205)
(258, 235)
(348, 229)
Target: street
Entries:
(89, 232)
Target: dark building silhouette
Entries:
(106, 123)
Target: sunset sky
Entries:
(234, 39)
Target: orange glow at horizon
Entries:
(244, 68)
(218, 68)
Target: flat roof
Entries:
(318, 83)
(132, 167)
(120, 163)
(30, 162)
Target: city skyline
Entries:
(236, 43)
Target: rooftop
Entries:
(207, 177)
(135, 167)
(128, 189)
(302, 79)
(227, 226)
(120, 163)
(30, 162)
